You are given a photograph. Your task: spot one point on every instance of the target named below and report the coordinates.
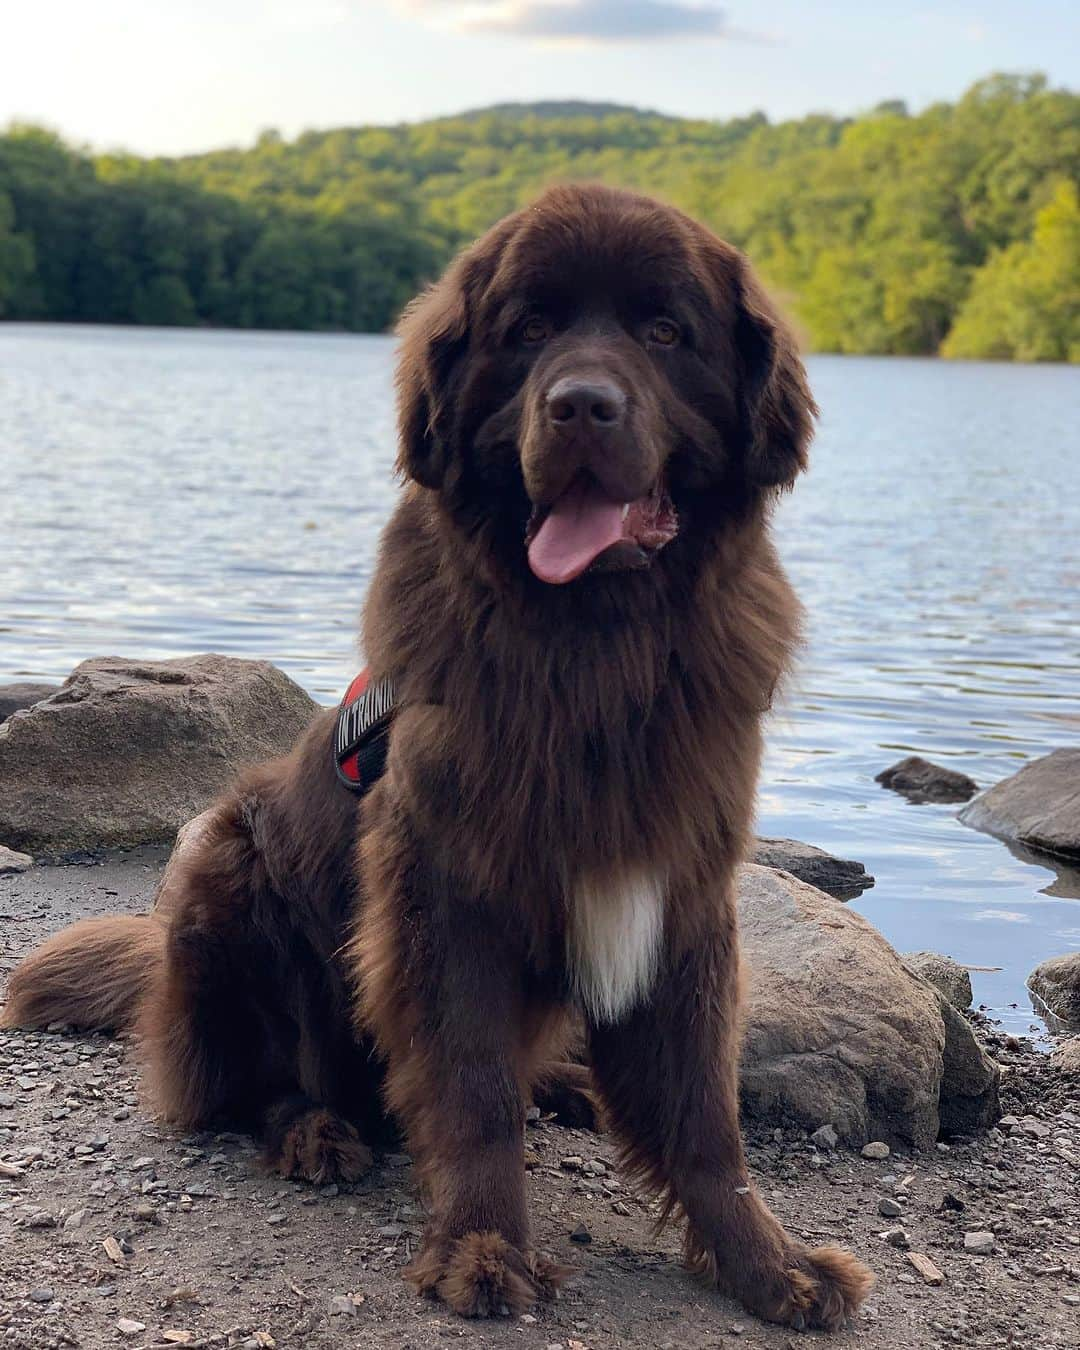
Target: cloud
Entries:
(581, 20)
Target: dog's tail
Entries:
(93, 975)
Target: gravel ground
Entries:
(115, 1232)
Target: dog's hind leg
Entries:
(302, 1139)
(565, 1090)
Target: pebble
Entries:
(12, 862)
(127, 1326)
(825, 1136)
(345, 1305)
(573, 1163)
(1034, 1128)
(875, 1150)
(580, 1234)
(889, 1209)
(981, 1243)
(42, 1219)
(897, 1237)
(76, 1218)
(926, 1268)
(41, 1295)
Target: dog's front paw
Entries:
(822, 1288)
(483, 1275)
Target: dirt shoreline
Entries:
(198, 1240)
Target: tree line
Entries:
(953, 231)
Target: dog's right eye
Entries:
(535, 330)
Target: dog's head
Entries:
(596, 377)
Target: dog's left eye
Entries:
(664, 332)
(535, 330)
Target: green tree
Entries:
(1024, 304)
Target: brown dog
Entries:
(584, 619)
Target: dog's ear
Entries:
(778, 407)
(433, 333)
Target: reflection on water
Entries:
(173, 492)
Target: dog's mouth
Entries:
(585, 528)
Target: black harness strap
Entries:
(363, 732)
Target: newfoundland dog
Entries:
(575, 626)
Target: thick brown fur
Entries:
(567, 761)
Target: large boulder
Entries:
(838, 1030)
(920, 780)
(1038, 807)
(126, 751)
(841, 877)
(1056, 987)
(14, 697)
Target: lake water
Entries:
(170, 492)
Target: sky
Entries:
(173, 76)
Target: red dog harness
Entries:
(363, 730)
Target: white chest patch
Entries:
(614, 935)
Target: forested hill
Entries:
(954, 230)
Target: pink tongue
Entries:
(577, 529)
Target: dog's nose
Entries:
(598, 403)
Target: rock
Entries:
(919, 781)
(889, 1209)
(876, 1150)
(127, 751)
(1038, 807)
(1033, 1127)
(968, 1100)
(897, 1237)
(15, 697)
(825, 1137)
(926, 1268)
(127, 1326)
(40, 1219)
(41, 1295)
(839, 877)
(346, 1305)
(581, 1235)
(1066, 1058)
(979, 1243)
(836, 1027)
(1056, 986)
(944, 974)
(77, 1218)
(12, 862)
